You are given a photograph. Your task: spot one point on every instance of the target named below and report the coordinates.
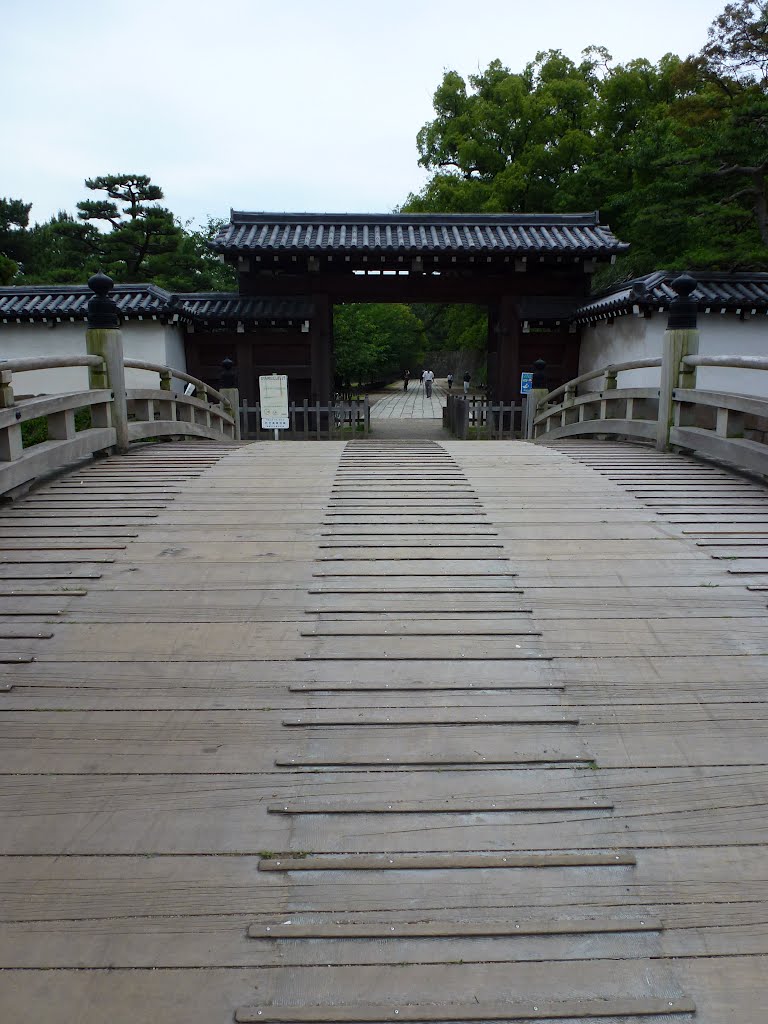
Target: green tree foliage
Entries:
(454, 326)
(14, 218)
(505, 143)
(737, 41)
(674, 154)
(124, 232)
(376, 341)
(142, 235)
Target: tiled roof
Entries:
(231, 306)
(714, 291)
(65, 302)
(62, 302)
(578, 234)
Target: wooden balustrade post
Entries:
(231, 403)
(103, 338)
(609, 380)
(680, 339)
(532, 401)
(165, 380)
(7, 401)
(730, 423)
(11, 445)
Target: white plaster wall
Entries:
(635, 337)
(148, 340)
(31, 341)
(728, 336)
(627, 338)
(175, 355)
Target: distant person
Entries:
(423, 377)
(467, 379)
(429, 378)
(406, 378)
(449, 380)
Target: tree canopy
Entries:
(122, 230)
(674, 154)
(376, 341)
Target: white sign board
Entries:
(273, 399)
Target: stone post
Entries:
(681, 338)
(103, 338)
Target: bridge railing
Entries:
(67, 438)
(721, 424)
(161, 412)
(41, 435)
(629, 412)
(725, 425)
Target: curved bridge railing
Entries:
(725, 425)
(41, 435)
(161, 412)
(732, 427)
(629, 412)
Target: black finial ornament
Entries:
(102, 311)
(228, 378)
(683, 309)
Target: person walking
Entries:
(449, 381)
(423, 377)
(428, 380)
(406, 378)
(467, 379)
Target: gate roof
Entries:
(505, 234)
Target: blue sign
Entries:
(526, 383)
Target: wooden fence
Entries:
(474, 418)
(311, 421)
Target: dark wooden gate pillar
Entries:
(504, 351)
(321, 342)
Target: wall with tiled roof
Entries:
(742, 293)
(60, 303)
(629, 323)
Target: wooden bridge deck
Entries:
(385, 732)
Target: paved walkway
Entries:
(389, 732)
(396, 403)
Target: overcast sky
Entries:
(260, 105)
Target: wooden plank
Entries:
(460, 862)
(280, 930)
(544, 1010)
(499, 804)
